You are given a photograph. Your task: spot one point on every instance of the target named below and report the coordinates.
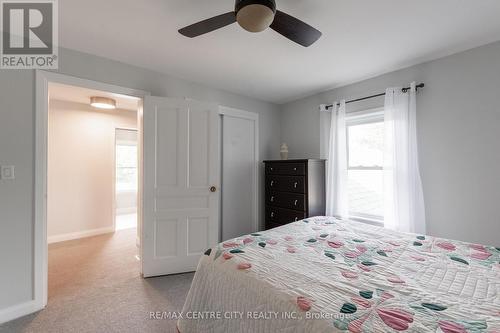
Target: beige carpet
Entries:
(94, 286)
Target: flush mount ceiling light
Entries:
(102, 102)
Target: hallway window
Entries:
(126, 160)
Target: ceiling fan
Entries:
(257, 16)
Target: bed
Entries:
(322, 274)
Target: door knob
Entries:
(213, 189)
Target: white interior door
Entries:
(181, 164)
(240, 164)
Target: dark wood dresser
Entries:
(295, 189)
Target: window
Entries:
(126, 160)
(365, 154)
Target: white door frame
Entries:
(236, 113)
(40, 248)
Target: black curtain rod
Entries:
(421, 85)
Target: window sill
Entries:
(375, 222)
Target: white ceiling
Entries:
(361, 39)
(68, 93)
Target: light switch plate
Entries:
(7, 172)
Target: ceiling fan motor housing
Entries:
(255, 15)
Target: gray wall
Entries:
(17, 135)
(458, 135)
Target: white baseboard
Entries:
(79, 234)
(19, 310)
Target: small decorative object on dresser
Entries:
(284, 151)
(295, 189)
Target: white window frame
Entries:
(368, 116)
(136, 143)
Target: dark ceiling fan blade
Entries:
(208, 25)
(294, 29)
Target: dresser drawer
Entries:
(286, 200)
(295, 184)
(272, 225)
(291, 169)
(276, 215)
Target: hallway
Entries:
(95, 286)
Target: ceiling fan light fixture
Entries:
(102, 102)
(255, 16)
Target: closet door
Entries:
(240, 164)
(181, 184)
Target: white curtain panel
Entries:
(404, 201)
(336, 178)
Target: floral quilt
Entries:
(322, 274)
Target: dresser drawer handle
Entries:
(295, 169)
(272, 182)
(272, 199)
(271, 169)
(295, 202)
(272, 214)
(295, 185)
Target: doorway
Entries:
(75, 170)
(92, 183)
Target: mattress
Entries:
(322, 274)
